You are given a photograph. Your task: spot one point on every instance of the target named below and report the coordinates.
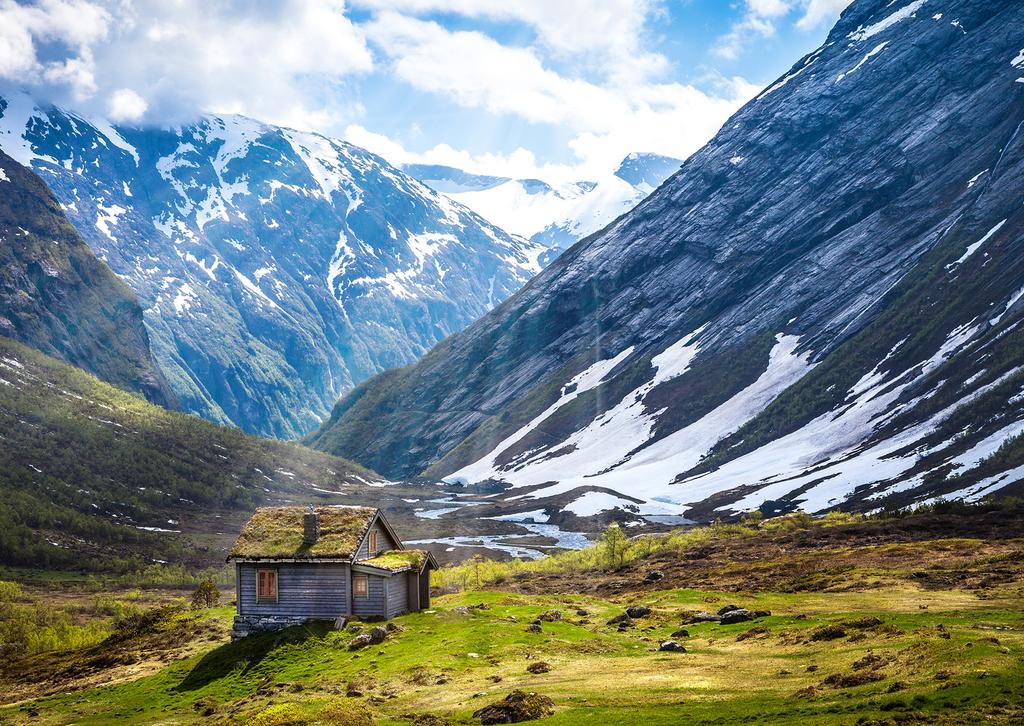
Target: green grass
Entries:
(599, 675)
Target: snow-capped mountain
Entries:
(276, 268)
(824, 307)
(555, 215)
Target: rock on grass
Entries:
(516, 707)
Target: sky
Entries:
(559, 90)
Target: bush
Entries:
(206, 596)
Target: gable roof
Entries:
(276, 533)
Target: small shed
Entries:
(295, 564)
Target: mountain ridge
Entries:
(277, 268)
(782, 239)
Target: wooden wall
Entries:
(384, 542)
(376, 603)
(398, 594)
(303, 590)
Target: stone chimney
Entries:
(310, 526)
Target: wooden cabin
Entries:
(295, 564)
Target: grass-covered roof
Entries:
(276, 532)
(397, 560)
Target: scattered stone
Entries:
(671, 646)
(727, 609)
(550, 616)
(582, 613)
(800, 616)
(534, 628)
(621, 618)
(761, 613)
(359, 642)
(654, 576)
(495, 678)
(428, 719)
(638, 611)
(472, 655)
(516, 707)
(378, 635)
(739, 615)
(681, 633)
(705, 617)
(811, 668)
(479, 694)
(538, 667)
(395, 628)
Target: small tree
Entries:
(206, 595)
(614, 542)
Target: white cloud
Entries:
(819, 12)
(606, 120)
(126, 105)
(760, 19)
(71, 26)
(607, 34)
(280, 61)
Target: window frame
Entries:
(272, 571)
(372, 544)
(364, 579)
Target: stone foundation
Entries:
(248, 624)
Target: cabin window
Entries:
(266, 585)
(361, 586)
(373, 542)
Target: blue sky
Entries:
(559, 89)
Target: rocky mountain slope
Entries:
(822, 308)
(276, 268)
(56, 296)
(554, 215)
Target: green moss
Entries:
(278, 532)
(397, 560)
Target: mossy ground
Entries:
(943, 656)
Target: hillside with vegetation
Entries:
(98, 479)
(902, 618)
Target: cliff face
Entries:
(820, 308)
(57, 297)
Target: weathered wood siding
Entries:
(398, 594)
(376, 603)
(384, 542)
(303, 590)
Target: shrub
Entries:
(206, 595)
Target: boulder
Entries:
(704, 617)
(671, 646)
(727, 609)
(638, 611)
(550, 616)
(534, 628)
(740, 615)
(377, 634)
(359, 642)
(395, 628)
(516, 707)
(654, 576)
(681, 633)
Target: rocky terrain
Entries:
(57, 297)
(557, 215)
(276, 268)
(821, 309)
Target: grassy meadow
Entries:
(893, 639)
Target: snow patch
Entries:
(862, 33)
